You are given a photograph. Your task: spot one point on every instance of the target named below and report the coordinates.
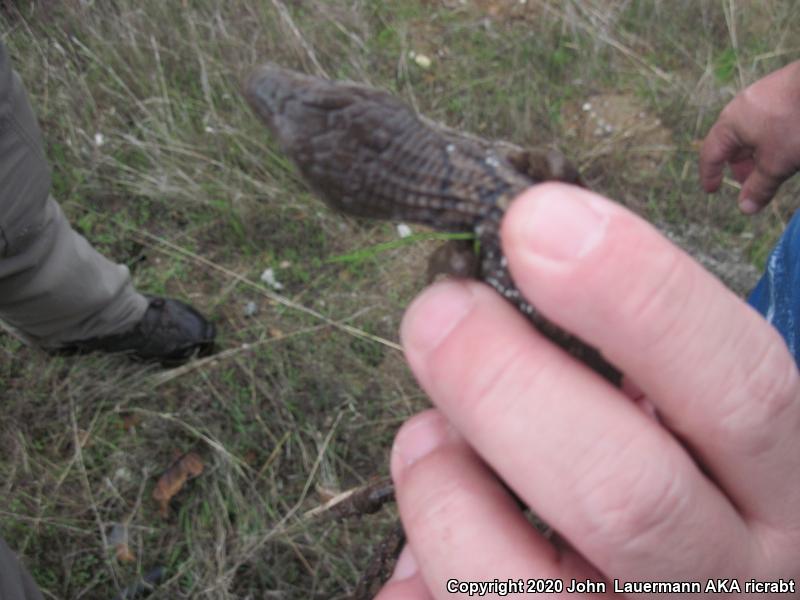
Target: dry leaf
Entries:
(124, 553)
(130, 420)
(119, 539)
(186, 467)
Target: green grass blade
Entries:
(366, 253)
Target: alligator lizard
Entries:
(367, 154)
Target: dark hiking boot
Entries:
(170, 332)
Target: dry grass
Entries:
(158, 161)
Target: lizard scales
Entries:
(367, 154)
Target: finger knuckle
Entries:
(430, 502)
(655, 304)
(759, 396)
(499, 383)
(632, 507)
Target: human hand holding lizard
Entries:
(706, 491)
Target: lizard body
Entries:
(367, 154)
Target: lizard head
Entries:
(335, 132)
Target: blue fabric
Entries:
(777, 294)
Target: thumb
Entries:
(757, 190)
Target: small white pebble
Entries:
(492, 161)
(403, 230)
(423, 61)
(285, 264)
(210, 129)
(268, 277)
(450, 148)
(99, 139)
(123, 474)
(250, 309)
(587, 106)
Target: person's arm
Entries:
(758, 135)
(708, 490)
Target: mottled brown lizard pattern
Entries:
(367, 154)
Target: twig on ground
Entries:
(364, 500)
(167, 376)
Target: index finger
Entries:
(719, 374)
(719, 147)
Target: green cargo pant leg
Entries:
(54, 287)
(15, 582)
